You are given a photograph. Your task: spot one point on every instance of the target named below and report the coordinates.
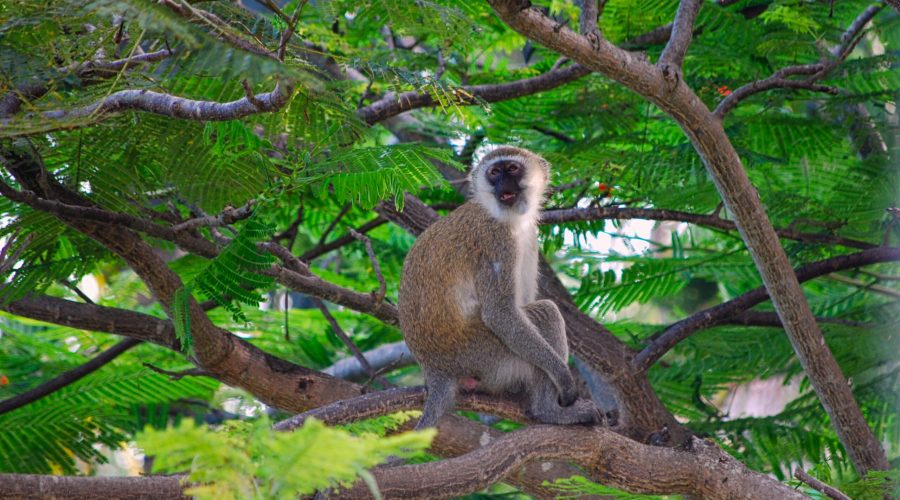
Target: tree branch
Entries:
(819, 486)
(34, 485)
(559, 216)
(817, 71)
(682, 31)
(67, 378)
(393, 104)
(718, 314)
(740, 197)
(606, 456)
(173, 106)
(382, 358)
(88, 71)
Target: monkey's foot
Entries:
(582, 411)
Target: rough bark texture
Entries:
(664, 87)
(28, 486)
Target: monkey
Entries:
(467, 301)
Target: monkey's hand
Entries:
(568, 391)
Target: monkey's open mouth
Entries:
(508, 198)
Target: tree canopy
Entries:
(206, 207)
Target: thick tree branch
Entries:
(95, 318)
(67, 378)
(559, 216)
(682, 31)
(71, 487)
(393, 104)
(725, 311)
(741, 199)
(606, 456)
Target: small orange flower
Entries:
(724, 90)
(602, 187)
(4, 380)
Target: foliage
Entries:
(248, 460)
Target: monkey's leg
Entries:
(543, 401)
(441, 394)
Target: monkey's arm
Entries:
(495, 286)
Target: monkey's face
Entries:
(505, 179)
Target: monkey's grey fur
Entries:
(467, 298)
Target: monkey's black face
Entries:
(505, 177)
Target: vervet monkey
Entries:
(467, 299)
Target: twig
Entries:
(248, 93)
(871, 287)
(382, 286)
(229, 215)
(819, 486)
(178, 375)
(346, 208)
(71, 286)
(9, 258)
(336, 328)
(67, 378)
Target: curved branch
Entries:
(849, 39)
(682, 32)
(175, 107)
(721, 313)
(559, 216)
(772, 82)
(393, 104)
(67, 378)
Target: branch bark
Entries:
(740, 197)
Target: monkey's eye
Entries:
(513, 168)
(494, 171)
